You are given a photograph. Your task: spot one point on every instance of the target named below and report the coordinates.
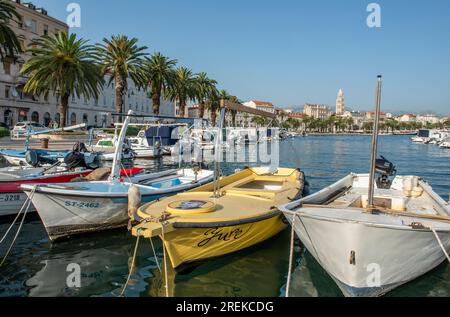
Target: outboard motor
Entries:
(80, 157)
(34, 159)
(384, 169)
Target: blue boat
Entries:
(19, 157)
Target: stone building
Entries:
(16, 106)
(317, 111)
(340, 103)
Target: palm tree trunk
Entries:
(182, 108)
(64, 105)
(120, 89)
(233, 118)
(156, 99)
(213, 117)
(201, 109)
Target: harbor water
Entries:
(37, 267)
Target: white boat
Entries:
(445, 144)
(426, 136)
(351, 244)
(107, 146)
(74, 208)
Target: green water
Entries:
(36, 267)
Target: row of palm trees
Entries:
(66, 65)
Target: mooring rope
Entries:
(154, 254)
(20, 226)
(132, 267)
(291, 256)
(440, 243)
(165, 261)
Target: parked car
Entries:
(21, 128)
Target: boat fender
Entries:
(134, 201)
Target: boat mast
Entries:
(115, 171)
(374, 144)
(218, 150)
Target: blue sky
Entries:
(292, 52)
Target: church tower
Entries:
(340, 103)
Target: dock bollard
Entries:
(44, 143)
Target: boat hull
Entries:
(355, 263)
(188, 244)
(67, 215)
(12, 202)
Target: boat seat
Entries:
(348, 200)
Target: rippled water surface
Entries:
(36, 267)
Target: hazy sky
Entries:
(292, 52)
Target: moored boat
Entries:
(208, 222)
(12, 197)
(370, 252)
(73, 208)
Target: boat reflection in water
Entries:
(256, 272)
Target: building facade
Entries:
(260, 105)
(340, 103)
(16, 106)
(317, 111)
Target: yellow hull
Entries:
(186, 245)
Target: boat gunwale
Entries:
(74, 193)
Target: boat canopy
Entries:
(166, 135)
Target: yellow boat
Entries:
(205, 223)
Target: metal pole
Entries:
(374, 144)
(218, 150)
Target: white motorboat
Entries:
(445, 144)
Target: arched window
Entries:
(35, 117)
(95, 120)
(85, 118)
(73, 119)
(23, 115)
(47, 119)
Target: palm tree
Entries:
(204, 88)
(160, 74)
(64, 65)
(122, 58)
(182, 88)
(9, 44)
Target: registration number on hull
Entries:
(81, 204)
(9, 198)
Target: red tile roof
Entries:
(297, 115)
(263, 103)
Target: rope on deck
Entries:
(440, 243)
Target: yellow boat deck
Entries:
(246, 196)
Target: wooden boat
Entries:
(199, 225)
(352, 243)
